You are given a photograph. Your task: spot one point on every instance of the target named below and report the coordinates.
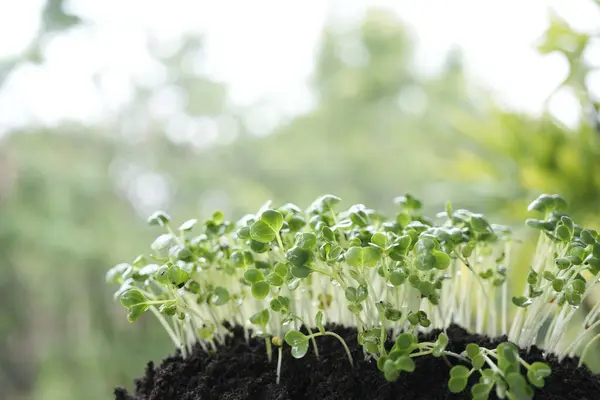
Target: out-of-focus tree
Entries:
(524, 155)
(369, 136)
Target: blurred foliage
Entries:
(72, 198)
(526, 156)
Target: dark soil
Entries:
(240, 370)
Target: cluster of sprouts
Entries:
(286, 268)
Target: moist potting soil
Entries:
(239, 370)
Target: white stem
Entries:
(166, 325)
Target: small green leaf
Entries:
(298, 341)
(132, 297)
(261, 318)
(515, 381)
(480, 391)
(563, 233)
(306, 240)
(405, 363)
(405, 341)
(300, 350)
(188, 225)
(298, 256)
(325, 203)
(362, 293)
(535, 379)
(296, 222)
(327, 234)
(254, 275)
(588, 237)
(543, 203)
(457, 385)
(300, 272)
(241, 259)
(442, 260)
(363, 256)
(267, 227)
(381, 362)
(276, 305)
(508, 351)
(319, 322)
(281, 269)
(379, 239)
(392, 314)
(468, 249)
(220, 296)
(274, 279)
(135, 302)
(541, 369)
(460, 371)
(159, 218)
(133, 313)
(479, 223)
(169, 309)
(260, 290)
(473, 350)
(426, 288)
(537, 372)
(176, 275)
(424, 261)
(442, 340)
(440, 345)
(162, 242)
(522, 301)
(115, 274)
(243, 232)
(558, 284)
(578, 286)
(397, 277)
(562, 263)
(478, 361)
(351, 294)
(414, 280)
(408, 202)
(549, 276)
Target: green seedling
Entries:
(392, 278)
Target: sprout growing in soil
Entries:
(284, 269)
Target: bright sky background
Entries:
(264, 49)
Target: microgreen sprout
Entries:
(283, 270)
(564, 273)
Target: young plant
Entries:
(285, 268)
(565, 271)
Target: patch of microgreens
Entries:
(565, 270)
(285, 268)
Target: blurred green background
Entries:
(74, 194)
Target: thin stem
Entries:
(310, 334)
(421, 353)
(581, 336)
(166, 325)
(586, 349)
(383, 332)
(172, 232)
(280, 243)
(269, 349)
(338, 337)
(491, 363)
(279, 357)
(160, 301)
(322, 271)
(450, 353)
